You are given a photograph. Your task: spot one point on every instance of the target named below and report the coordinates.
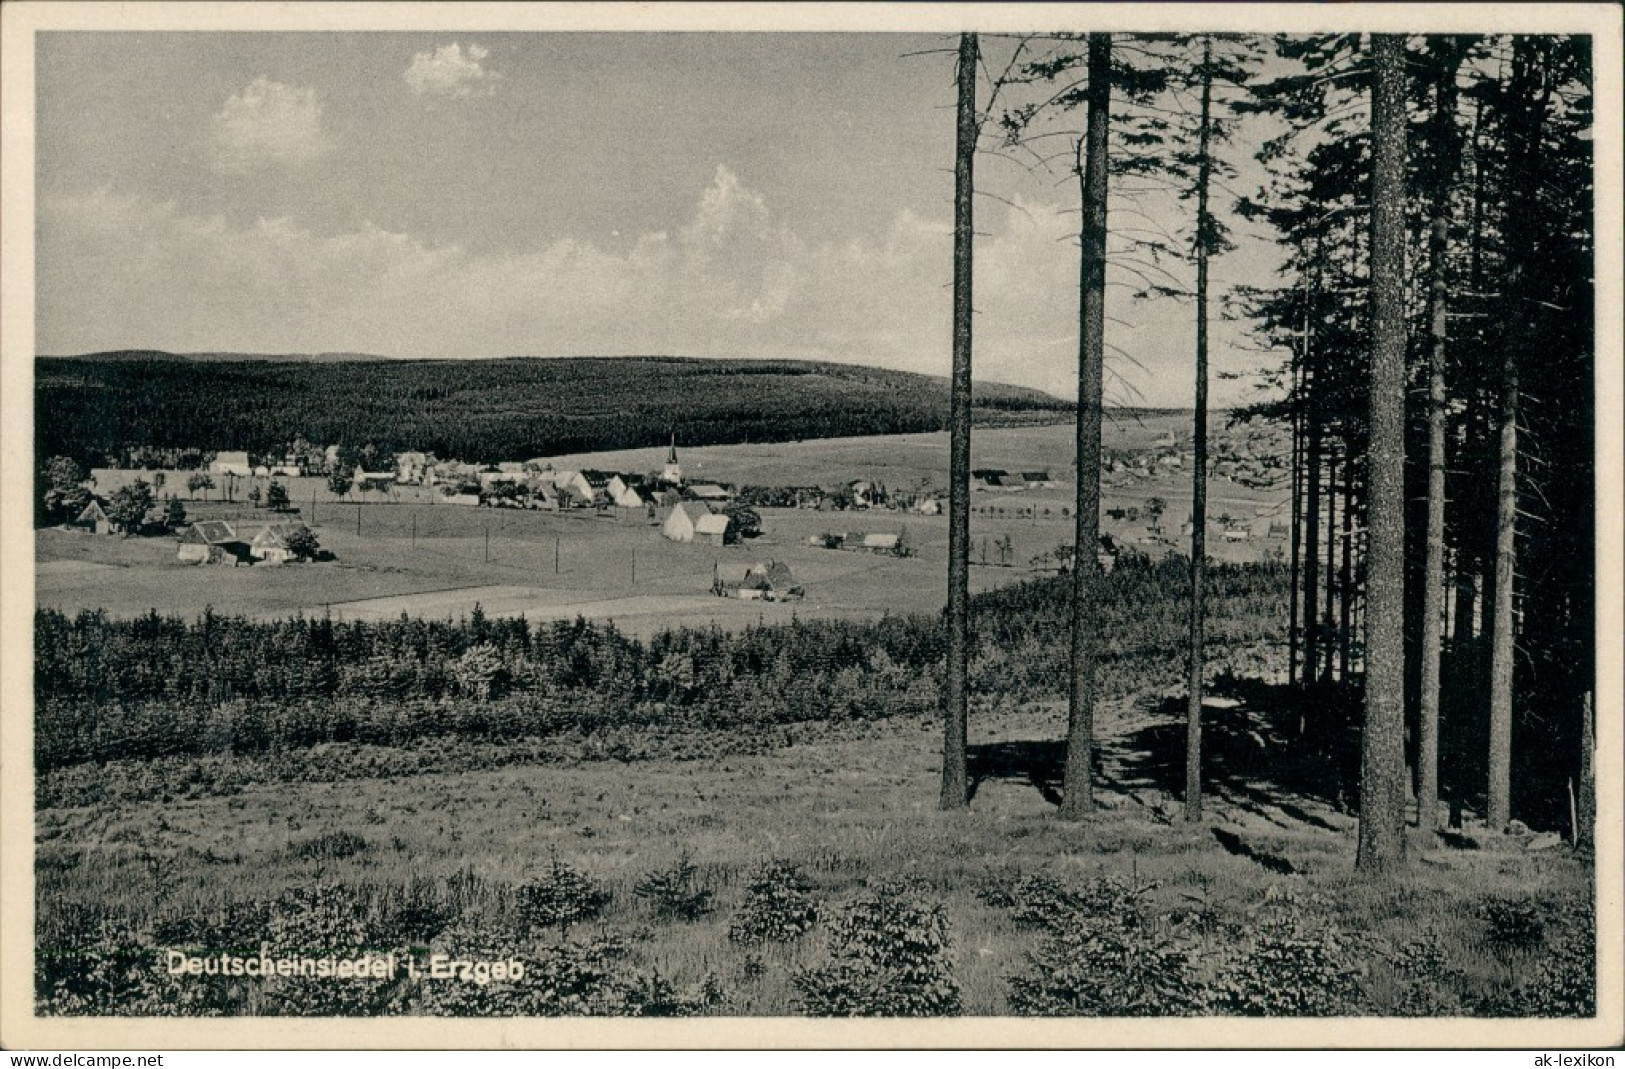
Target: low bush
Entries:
(561, 898)
(1102, 954)
(1289, 963)
(888, 957)
(778, 906)
(677, 893)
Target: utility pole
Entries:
(488, 543)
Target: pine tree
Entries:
(1382, 769)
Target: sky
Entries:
(504, 194)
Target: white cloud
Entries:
(449, 71)
(730, 281)
(268, 123)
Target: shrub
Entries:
(888, 958)
(677, 892)
(1292, 967)
(1427, 981)
(1561, 978)
(561, 898)
(778, 906)
(1512, 925)
(1102, 955)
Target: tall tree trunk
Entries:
(1204, 243)
(1447, 146)
(1382, 746)
(1294, 630)
(1328, 630)
(1345, 577)
(956, 715)
(1523, 172)
(1077, 785)
(1311, 539)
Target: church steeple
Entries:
(672, 473)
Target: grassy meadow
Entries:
(686, 865)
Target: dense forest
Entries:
(96, 407)
(1432, 197)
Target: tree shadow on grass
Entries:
(1264, 750)
(1038, 762)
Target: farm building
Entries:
(683, 523)
(876, 543)
(213, 542)
(412, 466)
(770, 581)
(1037, 480)
(996, 479)
(708, 492)
(712, 528)
(95, 518)
(627, 492)
(235, 463)
(220, 542)
(270, 543)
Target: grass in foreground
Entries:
(815, 877)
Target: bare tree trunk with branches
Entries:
(1198, 607)
(956, 715)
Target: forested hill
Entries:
(95, 407)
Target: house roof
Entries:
(770, 575)
(231, 458)
(276, 534)
(711, 523)
(213, 532)
(92, 512)
(1036, 476)
(880, 541)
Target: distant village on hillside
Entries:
(246, 510)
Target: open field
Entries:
(396, 552)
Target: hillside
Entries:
(95, 407)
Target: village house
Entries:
(412, 467)
(1037, 480)
(270, 543)
(880, 543)
(627, 492)
(709, 492)
(770, 581)
(989, 479)
(712, 529)
(234, 463)
(95, 518)
(213, 542)
(683, 523)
